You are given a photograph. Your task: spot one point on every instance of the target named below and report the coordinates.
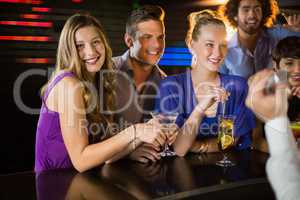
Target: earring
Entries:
(194, 60)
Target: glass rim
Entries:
(227, 116)
(164, 113)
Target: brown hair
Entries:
(144, 13)
(198, 19)
(269, 10)
(68, 59)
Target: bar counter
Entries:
(193, 177)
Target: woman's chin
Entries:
(214, 68)
(94, 68)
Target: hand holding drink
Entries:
(167, 125)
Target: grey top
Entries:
(134, 106)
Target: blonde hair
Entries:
(201, 18)
(68, 59)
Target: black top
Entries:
(294, 109)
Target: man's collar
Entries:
(234, 40)
(127, 67)
(125, 59)
(263, 34)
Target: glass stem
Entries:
(224, 157)
(166, 148)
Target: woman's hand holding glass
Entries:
(207, 95)
(150, 133)
(166, 123)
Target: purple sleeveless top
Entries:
(50, 150)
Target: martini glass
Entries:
(166, 121)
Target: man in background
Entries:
(250, 48)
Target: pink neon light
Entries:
(36, 2)
(23, 23)
(26, 38)
(35, 60)
(40, 9)
(31, 16)
(77, 1)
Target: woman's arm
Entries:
(140, 151)
(206, 145)
(129, 149)
(188, 132)
(72, 114)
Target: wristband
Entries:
(134, 137)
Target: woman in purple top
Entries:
(81, 87)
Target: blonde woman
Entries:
(196, 94)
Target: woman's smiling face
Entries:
(90, 48)
(210, 48)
